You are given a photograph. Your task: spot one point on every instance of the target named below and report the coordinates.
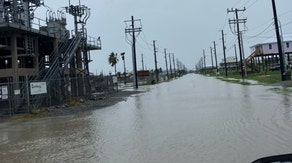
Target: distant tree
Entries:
(113, 60)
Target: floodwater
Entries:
(190, 119)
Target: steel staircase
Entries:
(57, 68)
(248, 60)
(50, 71)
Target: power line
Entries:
(225, 21)
(236, 3)
(252, 4)
(244, 4)
(249, 37)
(145, 40)
(287, 12)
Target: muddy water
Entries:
(191, 119)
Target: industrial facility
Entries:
(41, 62)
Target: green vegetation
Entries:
(270, 77)
(113, 60)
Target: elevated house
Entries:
(41, 62)
(267, 54)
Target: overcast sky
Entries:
(184, 28)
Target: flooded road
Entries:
(191, 119)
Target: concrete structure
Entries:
(31, 52)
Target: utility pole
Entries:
(212, 57)
(170, 65)
(211, 51)
(174, 64)
(142, 62)
(224, 52)
(166, 64)
(244, 61)
(237, 21)
(155, 61)
(236, 60)
(281, 55)
(217, 71)
(132, 30)
(204, 61)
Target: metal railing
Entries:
(56, 68)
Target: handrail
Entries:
(55, 68)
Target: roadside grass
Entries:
(261, 78)
(270, 77)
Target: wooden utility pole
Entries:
(132, 30)
(211, 51)
(236, 60)
(166, 63)
(224, 53)
(237, 21)
(170, 65)
(155, 61)
(174, 65)
(215, 54)
(281, 55)
(244, 61)
(204, 61)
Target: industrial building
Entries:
(41, 62)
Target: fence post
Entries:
(9, 96)
(27, 93)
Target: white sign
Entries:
(17, 92)
(37, 88)
(115, 79)
(4, 92)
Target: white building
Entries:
(231, 63)
(270, 46)
(268, 50)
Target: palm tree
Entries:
(113, 60)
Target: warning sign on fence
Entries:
(37, 88)
(4, 92)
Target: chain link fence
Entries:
(22, 97)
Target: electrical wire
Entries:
(259, 34)
(236, 3)
(285, 13)
(144, 39)
(245, 4)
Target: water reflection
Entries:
(191, 119)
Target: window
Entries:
(287, 44)
(270, 46)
